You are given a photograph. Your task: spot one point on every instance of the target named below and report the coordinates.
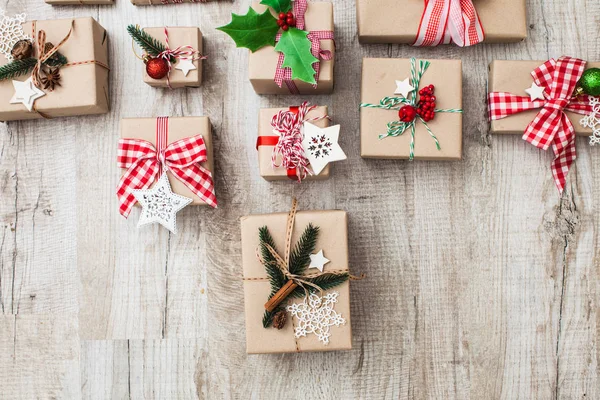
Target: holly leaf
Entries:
(278, 5)
(253, 30)
(295, 46)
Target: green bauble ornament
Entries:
(589, 83)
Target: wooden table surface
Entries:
(483, 282)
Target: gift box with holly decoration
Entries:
(172, 56)
(52, 68)
(291, 43)
(296, 281)
(411, 109)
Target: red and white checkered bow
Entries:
(449, 21)
(144, 164)
(285, 74)
(551, 126)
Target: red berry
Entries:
(280, 22)
(432, 98)
(281, 15)
(432, 105)
(285, 27)
(290, 21)
(289, 14)
(407, 113)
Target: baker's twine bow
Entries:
(284, 75)
(177, 53)
(449, 21)
(551, 126)
(283, 263)
(143, 163)
(288, 124)
(397, 128)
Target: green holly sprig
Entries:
(255, 31)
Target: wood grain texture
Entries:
(482, 281)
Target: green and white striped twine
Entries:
(397, 128)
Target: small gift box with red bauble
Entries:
(172, 56)
(411, 109)
(297, 143)
(291, 43)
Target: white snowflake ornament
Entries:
(316, 315)
(321, 146)
(11, 31)
(592, 120)
(160, 204)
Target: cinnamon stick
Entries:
(281, 295)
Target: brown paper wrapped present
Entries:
(178, 36)
(83, 86)
(333, 240)
(392, 21)
(263, 63)
(178, 128)
(379, 76)
(514, 77)
(265, 148)
(78, 2)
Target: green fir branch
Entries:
(149, 44)
(17, 68)
(57, 60)
(300, 257)
(268, 317)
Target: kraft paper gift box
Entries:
(263, 62)
(333, 240)
(514, 77)
(83, 88)
(264, 152)
(78, 2)
(178, 36)
(393, 21)
(379, 76)
(179, 128)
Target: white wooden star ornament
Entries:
(321, 146)
(160, 204)
(535, 92)
(404, 87)
(26, 93)
(185, 65)
(318, 261)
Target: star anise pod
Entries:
(51, 79)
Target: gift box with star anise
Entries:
(68, 76)
(411, 109)
(301, 301)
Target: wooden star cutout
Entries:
(535, 92)
(321, 146)
(186, 65)
(404, 88)
(26, 93)
(318, 261)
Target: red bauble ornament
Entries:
(157, 68)
(407, 113)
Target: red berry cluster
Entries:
(426, 106)
(286, 21)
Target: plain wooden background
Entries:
(483, 282)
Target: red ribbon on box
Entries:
(551, 126)
(145, 162)
(285, 74)
(449, 21)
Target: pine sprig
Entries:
(57, 60)
(17, 68)
(149, 44)
(268, 317)
(300, 257)
(276, 277)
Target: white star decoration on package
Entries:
(160, 204)
(321, 146)
(316, 315)
(592, 121)
(318, 261)
(26, 93)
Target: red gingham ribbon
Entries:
(285, 74)
(449, 21)
(179, 52)
(551, 126)
(144, 164)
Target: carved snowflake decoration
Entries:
(316, 315)
(11, 32)
(592, 121)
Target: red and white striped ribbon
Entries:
(145, 162)
(179, 52)
(449, 21)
